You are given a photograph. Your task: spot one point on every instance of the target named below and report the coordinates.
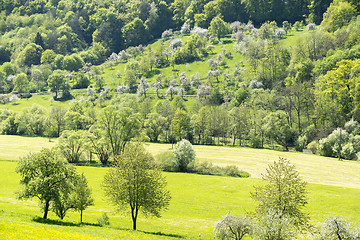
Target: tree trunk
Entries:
(134, 213)
(46, 209)
(81, 214)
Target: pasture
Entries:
(197, 201)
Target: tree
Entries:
(336, 228)
(56, 81)
(339, 14)
(154, 126)
(284, 192)
(232, 227)
(57, 119)
(278, 129)
(72, 145)
(42, 175)
(31, 55)
(135, 33)
(21, 83)
(219, 28)
(119, 127)
(143, 87)
(81, 196)
(184, 154)
(136, 182)
(180, 125)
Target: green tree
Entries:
(80, 198)
(42, 175)
(218, 27)
(56, 81)
(135, 33)
(136, 182)
(119, 127)
(32, 121)
(278, 129)
(31, 55)
(180, 125)
(184, 154)
(339, 14)
(72, 144)
(48, 56)
(154, 125)
(284, 192)
(57, 119)
(21, 82)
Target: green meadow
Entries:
(197, 202)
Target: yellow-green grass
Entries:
(197, 203)
(313, 168)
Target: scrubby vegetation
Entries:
(98, 76)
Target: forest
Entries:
(264, 80)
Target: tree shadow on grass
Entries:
(152, 233)
(163, 234)
(62, 223)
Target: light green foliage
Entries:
(155, 125)
(57, 81)
(219, 28)
(48, 56)
(118, 127)
(72, 145)
(332, 145)
(313, 146)
(31, 55)
(80, 197)
(180, 125)
(136, 182)
(184, 154)
(21, 83)
(284, 194)
(277, 128)
(43, 175)
(32, 121)
(338, 15)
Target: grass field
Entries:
(197, 201)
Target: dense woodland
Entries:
(275, 95)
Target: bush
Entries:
(233, 227)
(313, 146)
(166, 161)
(103, 220)
(348, 152)
(184, 154)
(255, 142)
(300, 143)
(233, 171)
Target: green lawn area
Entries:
(197, 201)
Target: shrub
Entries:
(103, 220)
(233, 227)
(184, 154)
(348, 152)
(313, 146)
(233, 171)
(166, 161)
(300, 143)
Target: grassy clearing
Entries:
(197, 203)
(314, 168)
